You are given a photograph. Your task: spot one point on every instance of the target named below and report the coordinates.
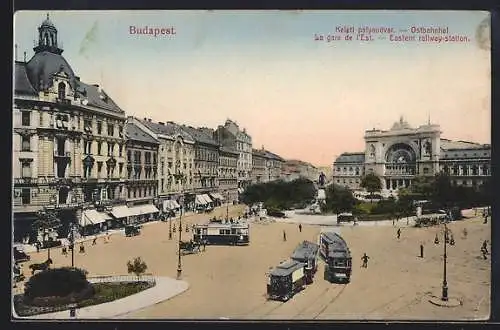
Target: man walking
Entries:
(399, 233)
(284, 236)
(365, 258)
(300, 227)
(94, 241)
(421, 250)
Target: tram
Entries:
(337, 256)
(223, 233)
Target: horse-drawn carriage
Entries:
(190, 247)
(20, 255)
(132, 230)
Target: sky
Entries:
(298, 97)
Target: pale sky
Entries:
(300, 98)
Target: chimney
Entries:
(145, 119)
(76, 77)
(161, 123)
(96, 85)
(149, 119)
(24, 57)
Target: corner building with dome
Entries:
(400, 154)
(68, 142)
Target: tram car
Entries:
(285, 280)
(222, 233)
(337, 257)
(307, 253)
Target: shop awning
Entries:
(121, 211)
(199, 200)
(207, 198)
(217, 196)
(170, 205)
(149, 208)
(321, 194)
(93, 217)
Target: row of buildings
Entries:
(403, 152)
(76, 151)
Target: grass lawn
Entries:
(103, 293)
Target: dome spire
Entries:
(47, 38)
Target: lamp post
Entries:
(72, 245)
(180, 177)
(169, 227)
(227, 205)
(444, 294)
(53, 202)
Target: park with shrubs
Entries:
(59, 289)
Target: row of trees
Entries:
(438, 190)
(280, 194)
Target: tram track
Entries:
(332, 300)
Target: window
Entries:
(99, 127)
(88, 147)
(120, 131)
(111, 130)
(120, 168)
(120, 150)
(41, 119)
(61, 91)
(25, 143)
(99, 168)
(87, 125)
(26, 196)
(162, 184)
(26, 170)
(426, 170)
(25, 118)
(99, 145)
(111, 149)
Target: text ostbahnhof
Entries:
(152, 31)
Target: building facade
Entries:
(176, 170)
(228, 174)
(142, 173)
(267, 166)
(244, 147)
(206, 160)
(68, 143)
(400, 154)
(294, 169)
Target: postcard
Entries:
(251, 165)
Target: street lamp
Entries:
(72, 244)
(444, 295)
(227, 205)
(169, 226)
(180, 177)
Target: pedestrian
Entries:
(399, 233)
(393, 223)
(421, 250)
(452, 240)
(465, 232)
(64, 251)
(94, 241)
(37, 246)
(485, 246)
(284, 236)
(300, 227)
(204, 245)
(436, 239)
(484, 252)
(485, 219)
(365, 258)
(82, 248)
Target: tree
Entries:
(371, 182)
(338, 199)
(442, 191)
(45, 221)
(137, 266)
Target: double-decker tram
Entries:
(337, 256)
(223, 233)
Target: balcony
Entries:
(63, 101)
(62, 154)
